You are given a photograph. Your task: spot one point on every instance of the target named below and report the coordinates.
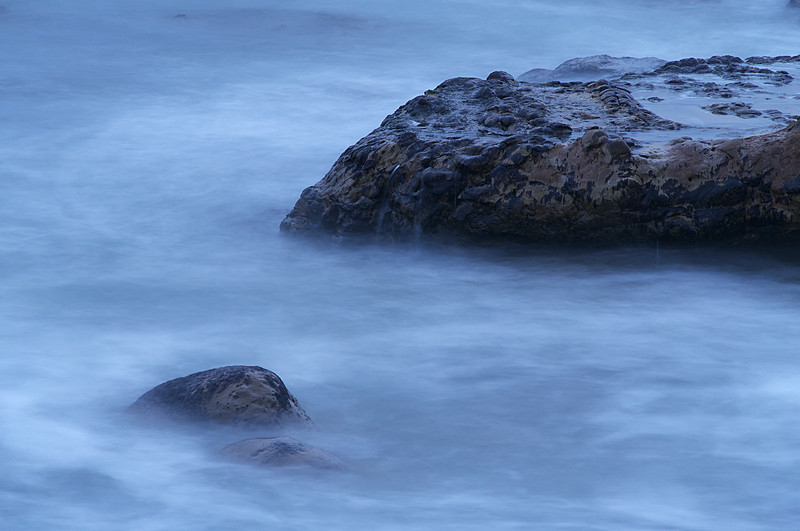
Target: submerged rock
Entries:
(592, 68)
(737, 108)
(724, 66)
(232, 395)
(281, 451)
(560, 162)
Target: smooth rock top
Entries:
(592, 68)
(231, 395)
(281, 451)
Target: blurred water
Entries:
(149, 150)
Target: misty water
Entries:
(148, 152)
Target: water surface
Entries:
(149, 151)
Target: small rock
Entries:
(616, 148)
(500, 75)
(281, 451)
(594, 138)
(736, 108)
(231, 395)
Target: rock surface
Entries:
(565, 162)
(281, 451)
(592, 68)
(232, 395)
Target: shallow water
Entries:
(147, 160)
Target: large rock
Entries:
(231, 395)
(281, 451)
(499, 159)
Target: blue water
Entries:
(149, 150)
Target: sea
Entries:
(149, 150)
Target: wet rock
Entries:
(500, 75)
(737, 108)
(593, 138)
(698, 78)
(616, 148)
(592, 68)
(725, 66)
(239, 395)
(281, 452)
(564, 162)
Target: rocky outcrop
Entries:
(233, 395)
(725, 66)
(558, 162)
(736, 108)
(280, 452)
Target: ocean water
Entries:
(148, 152)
